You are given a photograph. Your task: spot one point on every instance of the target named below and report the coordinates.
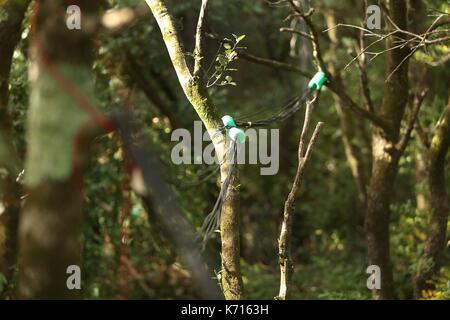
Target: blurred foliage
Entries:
(330, 254)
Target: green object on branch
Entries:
(228, 121)
(317, 81)
(236, 134)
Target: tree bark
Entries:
(385, 158)
(438, 204)
(12, 13)
(49, 232)
(197, 94)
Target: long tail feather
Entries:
(212, 221)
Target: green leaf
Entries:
(222, 60)
(240, 38)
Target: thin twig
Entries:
(284, 249)
(418, 101)
(301, 33)
(199, 39)
(274, 64)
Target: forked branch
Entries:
(284, 241)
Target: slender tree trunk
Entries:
(230, 275)
(11, 17)
(385, 158)
(49, 232)
(384, 171)
(438, 204)
(284, 240)
(197, 94)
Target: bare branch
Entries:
(317, 54)
(442, 22)
(199, 39)
(355, 27)
(313, 141)
(301, 33)
(284, 249)
(423, 39)
(274, 64)
(363, 79)
(335, 88)
(267, 62)
(414, 41)
(422, 134)
(339, 90)
(440, 61)
(367, 114)
(301, 147)
(418, 101)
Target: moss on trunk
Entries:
(198, 96)
(49, 232)
(438, 202)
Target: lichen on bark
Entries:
(54, 120)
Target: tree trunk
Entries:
(230, 275)
(49, 232)
(438, 204)
(284, 240)
(386, 156)
(12, 13)
(197, 94)
(384, 171)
